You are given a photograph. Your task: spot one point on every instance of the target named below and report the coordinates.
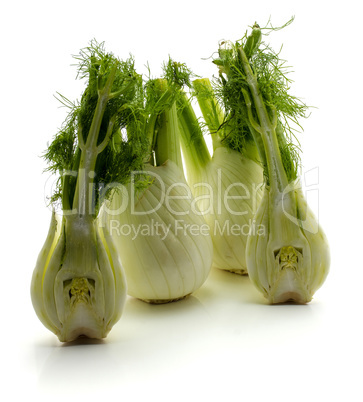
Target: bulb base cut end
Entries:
(164, 301)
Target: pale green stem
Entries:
(266, 127)
(212, 113)
(83, 199)
(195, 150)
(167, 142)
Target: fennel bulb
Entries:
(289, 260)
(164, 245)
(228, 185)
(163, 241)
(228, 204)
(78, 285)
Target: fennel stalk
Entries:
(78, 286)
(290, 260)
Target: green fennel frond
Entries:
(178, 74)
(275, 85)
(117, 156)
(272, 75)
(268, 28)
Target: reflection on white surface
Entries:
(224, 333)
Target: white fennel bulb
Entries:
(163, 241)
(78, 286)
(288, 258)
(228, 191)
(226, 185)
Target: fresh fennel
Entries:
(290, 260)
(227, 186)
(78, 285)
(163, 241)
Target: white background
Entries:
(223, 343)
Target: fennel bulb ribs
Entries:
(160, 235)
(290, 260)
(226, 185)
(78, 285)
